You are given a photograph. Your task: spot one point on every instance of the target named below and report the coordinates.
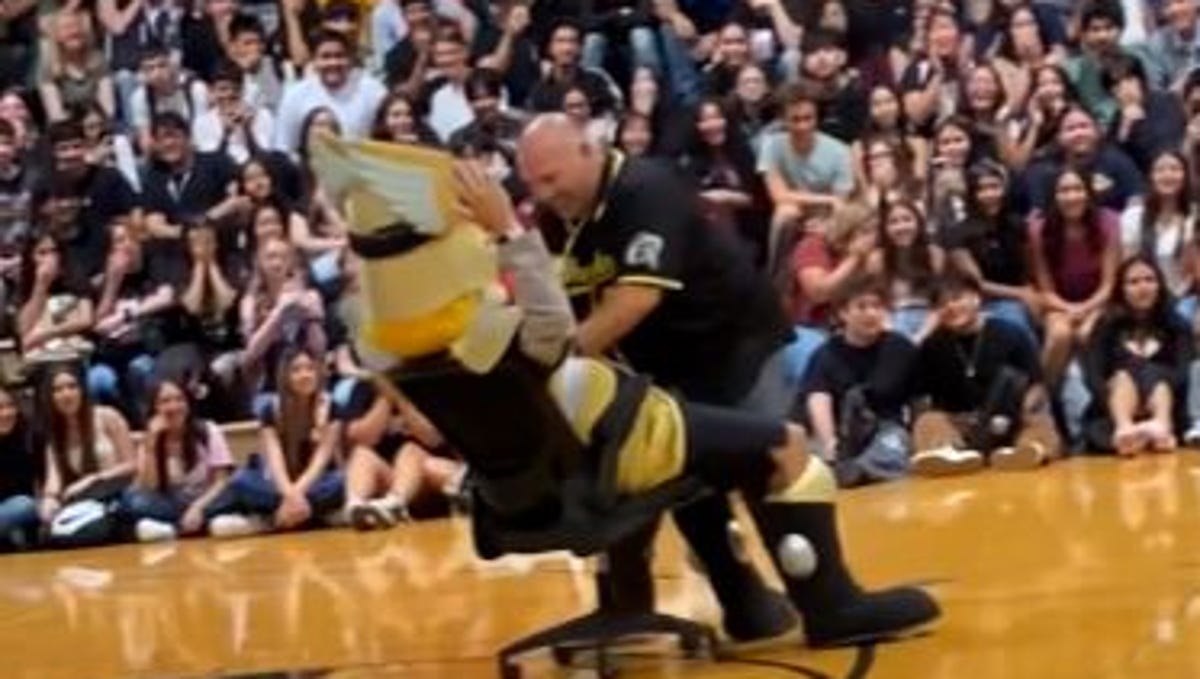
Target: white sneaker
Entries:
(236, 525)
(1029, 455)
(150, 530)
(380, 513)
(1191, 438)
(946, 461)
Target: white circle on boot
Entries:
(797, 557)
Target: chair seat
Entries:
(580, 528)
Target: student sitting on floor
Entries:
(396, 454)
(857, 387)
(296, 479)
(183, 464)
(89, 461)
(20, 470)
(984, 383)
(1137, 357)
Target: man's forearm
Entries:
(621, 310)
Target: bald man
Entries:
(652, 282)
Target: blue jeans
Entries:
(799, 354)
(682, 73)
(251, 491)
(1017, 314)
(909, 320)
(139, 503)
(642, 41)
(1186, 307)
(104, 382)
(18, 514)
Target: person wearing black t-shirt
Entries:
(182, 186)
(20, 473)
(655, 283)
(87, 198)
(566, 72)
(983, 381)
(133, 319)
(857, 387)
(208, 294)
(992, 245)
(394, 455)
(839, 91)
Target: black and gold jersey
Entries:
(719, 319)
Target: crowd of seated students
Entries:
(979, 214)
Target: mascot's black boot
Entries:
(799, 530)
(751, 610)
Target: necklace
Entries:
(970, 362)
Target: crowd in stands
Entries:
(979, 214)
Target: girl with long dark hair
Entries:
(1025, 44)
(182, 466)
(398, 121)
(887, 174)
(990, 245)
(886, 120)
(953, 152)
(1074, 254)
(296, 478)
(719, 159)
(751, 106)
(985, 103)
(909, 264)
(1163, 226)
(89, 460)
(1029, 134)
(1136, 364)
(56, 313)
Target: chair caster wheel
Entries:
(692, 646)
(563, 655)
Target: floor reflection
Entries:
(1087, 569)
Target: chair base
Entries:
(603, 629)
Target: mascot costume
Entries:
(490, 365)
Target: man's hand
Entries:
(484, 199)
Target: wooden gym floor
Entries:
(1088, 569)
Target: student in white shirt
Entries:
(352, 95)
(231, 126)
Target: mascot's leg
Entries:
(790, 494)
(751, 610)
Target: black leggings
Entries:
(729, 448)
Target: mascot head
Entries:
(429, 278)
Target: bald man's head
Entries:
(560, 165)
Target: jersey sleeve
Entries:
(652, 227)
